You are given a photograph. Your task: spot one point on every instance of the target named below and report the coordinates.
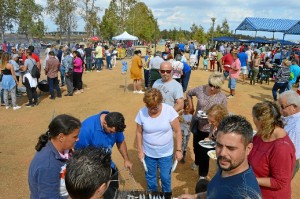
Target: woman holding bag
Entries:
(207, 95)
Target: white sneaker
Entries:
(134, 92)
(140, 92)
(16, 108)
(7, 107)
(98, 71)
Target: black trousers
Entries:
(77, 80)
(201, 157)
(113, 187)
(31, 92)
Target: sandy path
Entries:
(20, 129)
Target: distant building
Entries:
(53, 33)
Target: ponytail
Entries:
(43, 139)
(64, 124)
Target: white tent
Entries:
(125, 36)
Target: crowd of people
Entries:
(63, 66)
(73, 158)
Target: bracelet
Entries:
(179, 150)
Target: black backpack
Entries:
(35, 72)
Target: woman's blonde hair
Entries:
(218, 111)
(152, 97)
(268, 114)
(286, 62)
(255, 55)
(216, 79)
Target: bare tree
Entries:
(89, 14)
(63, 14)
(29, 18)
(8, 15)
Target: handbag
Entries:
(35, 72)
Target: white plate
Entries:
(212, 154)
(201, 114)
(207, 144)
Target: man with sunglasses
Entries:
(290, 108)
(13, 51)
(171, 90)
(106, 130)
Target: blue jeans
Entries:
(226, 74)
(185, 80)
(249, 70)
(165, 166)
(53, 83)
(281, 87)
(108, 62)
(88, 63)
(2, 97)
(98, 63)
(146, 77)
(62, 75)
(191, 52)
(289, 86)
(232, 83)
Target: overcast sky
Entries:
(183, 13)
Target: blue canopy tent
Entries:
(284, 42)
(294, 30)
(225, 38)
(285, 26)
(259, 40)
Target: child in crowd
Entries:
(185, 121)
(205, 63)
(114, 57)
(124, 67)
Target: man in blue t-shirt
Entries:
(104, 130)
(295, 70)
(235, 178)
(243, 57)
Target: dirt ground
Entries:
(107, 90)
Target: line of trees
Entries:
(197, 33)
(25, 14)
(130, 15)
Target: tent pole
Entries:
(273, 44)
(281, 52)
(234, 36)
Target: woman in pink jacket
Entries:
(77, 72)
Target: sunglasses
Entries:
(165, 71)
(212, 86)
(284, 107)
